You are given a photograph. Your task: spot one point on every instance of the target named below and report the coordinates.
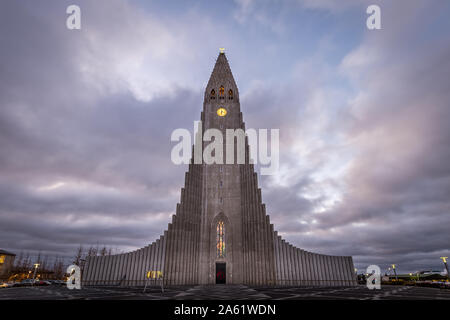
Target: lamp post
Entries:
(36, 265)
(444, 259)
(395, 272)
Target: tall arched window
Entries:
(221, 92)
(220, 239)
(230, 94)
(213, 94)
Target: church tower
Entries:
(231, 201)
(220, 233)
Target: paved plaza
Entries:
(223, 292)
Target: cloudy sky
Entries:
(364, 118)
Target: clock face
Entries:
(221, 112)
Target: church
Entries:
(220, 233)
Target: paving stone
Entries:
(225, 292)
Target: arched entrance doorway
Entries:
(221, 273)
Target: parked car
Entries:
(42, 283)
(57, 282)
(60, 282)
(6, 285)
(25, 283)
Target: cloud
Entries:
(79, 143)
(335, 6)
(86, 117)
(127, 49)
(397, 184)
(254, 14)
(363, 145)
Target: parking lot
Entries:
(223, 292)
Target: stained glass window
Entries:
(220, 240)
(230, 94)
(221, 91)
(213, 94)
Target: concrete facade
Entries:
(253, 253)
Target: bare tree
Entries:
(92, 251)
(44, 264)
(103, 252)
(26, 263)
(58, 268)
(38, 260)
(78, 256)
(18, 260)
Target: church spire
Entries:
(221, 77)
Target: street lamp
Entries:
(444, 259)
(36, 265)
(395, 272)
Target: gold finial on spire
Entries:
(222, 50)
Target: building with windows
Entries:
(220, 233)
(6, 263)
